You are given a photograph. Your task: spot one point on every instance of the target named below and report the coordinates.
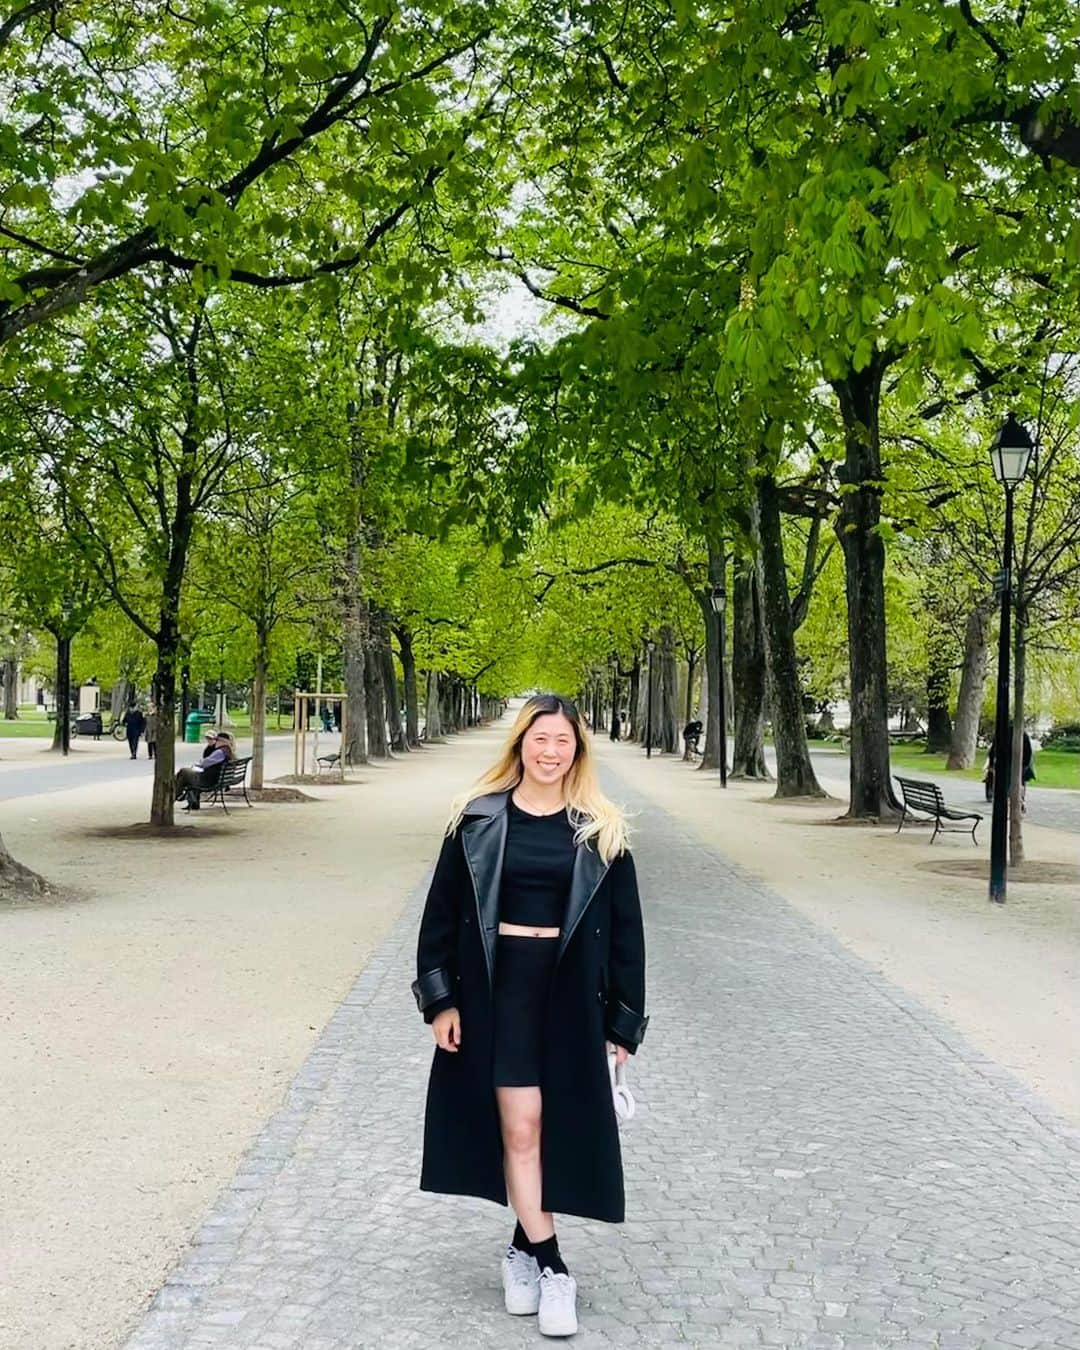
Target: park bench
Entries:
(927, 798)
(324, 763)
(232, 776)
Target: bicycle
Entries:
(115, 729)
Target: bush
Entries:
(1063, 737)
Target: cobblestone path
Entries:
(816, 1162)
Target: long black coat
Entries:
(597, 994)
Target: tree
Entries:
(263, 555)
(269, 150)
(49, 581)
(136, 436)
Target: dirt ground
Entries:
(152, 1024)
(1006, 976)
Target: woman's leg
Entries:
(519, 1119)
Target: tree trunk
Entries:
(355, 616)
(446, 704)
(691, 671)
(393, 708)
(120, 697)
(169, 648)
(1016, 779)
(17, 880)
(668, 682)
(258, 709)
(62, 732)
(938, 680)
(433, 727)
(965, 732)
(710, 754)
(376, 702)
(408, 676)
(748, 678)
(864, 573)
(634, 729)
(164, 793)
(11, 689)
(795, 775)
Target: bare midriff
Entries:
(526, 930)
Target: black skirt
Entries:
(523, 969)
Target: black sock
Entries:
(547, 1256)
(520, 1240)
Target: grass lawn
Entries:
(31, 722)
(1053, 768)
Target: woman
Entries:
(202, 776)
(532, 956)
(134, 724)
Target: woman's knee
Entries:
(521, 1131)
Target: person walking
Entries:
(530, 967)
(151, 730)
(134, 723)
(1027, 768)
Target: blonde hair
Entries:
(594, 818)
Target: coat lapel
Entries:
(484, 841)
(589, 872)
(483, 837)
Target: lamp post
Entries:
(1010, 455)
(718, 600)
(63, 676)
(650, 646)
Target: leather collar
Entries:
(483, 838)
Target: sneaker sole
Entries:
(567, 1329)
(521, 1307)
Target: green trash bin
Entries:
(194, 725)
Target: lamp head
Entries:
(718, 599)
(1010, 451)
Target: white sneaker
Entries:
(521, 1282)
(558, 1304)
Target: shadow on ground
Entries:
(1044, 873)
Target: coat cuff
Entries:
(624, 1026)
(431, 987)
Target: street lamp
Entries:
(63, 675)
(1010, 455)
(718, 600)
(650, 647)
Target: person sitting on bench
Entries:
(201, 777)
(691, 737)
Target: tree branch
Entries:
(976, 26)
(21, 16)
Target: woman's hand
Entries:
(447, 1030)
(621, 1053)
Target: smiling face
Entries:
(548, 749)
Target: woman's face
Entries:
(548, 748)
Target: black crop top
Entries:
(537, 867)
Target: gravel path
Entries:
(816, 1162)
